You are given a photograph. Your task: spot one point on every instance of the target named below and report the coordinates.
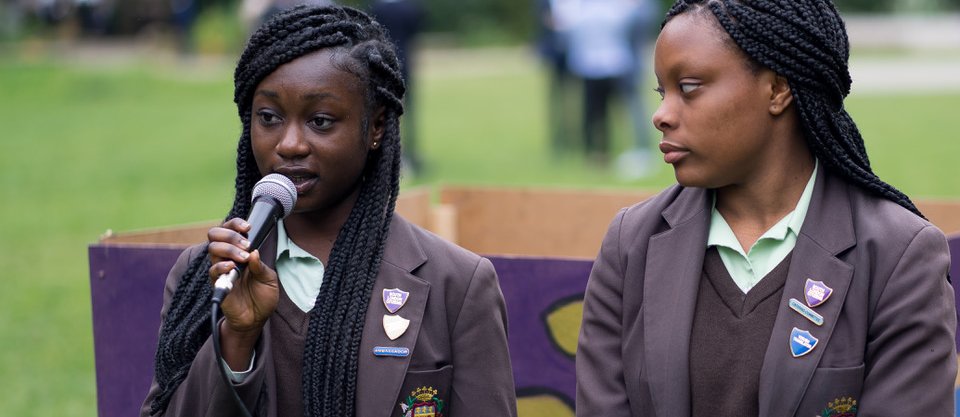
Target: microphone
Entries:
(273, 199)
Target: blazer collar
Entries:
(829, 222)
(671, 278)
(827, 231)
(381, 377)
(403, 249)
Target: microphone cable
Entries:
(215, 327)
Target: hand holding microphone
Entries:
(233, 247)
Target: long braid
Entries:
(806, 42)
(336, 322)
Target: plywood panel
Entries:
(412, 204)
(945, 214)
(543, 222)
(527, 221)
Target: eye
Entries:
(320, 123)
(268, 118)
(688, 88)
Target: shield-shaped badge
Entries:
(801, 342)
(394, 299)
(816, 292)
(394, 326)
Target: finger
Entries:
(221, 234)
(220, 268)
(237, 224)
(220, 251)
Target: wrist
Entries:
(238, 346)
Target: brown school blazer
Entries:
(457, 338)
(888, 335)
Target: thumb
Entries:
(258, 270)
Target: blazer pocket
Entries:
(426, 391)
(832, 390)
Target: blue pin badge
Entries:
(816, 292)
(396, 352)
(394, 299)
(801, 342)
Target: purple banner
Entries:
(126, 289)
(543, 297)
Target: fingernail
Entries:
(244, 255)
(245, 243)
(244, 225)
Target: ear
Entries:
(377, 128)
(781, 97)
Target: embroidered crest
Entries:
(816, 292)
(840, 407)
(422, 402)
(394, 299)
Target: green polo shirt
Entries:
(300, 273)
(747, 269)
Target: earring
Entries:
(375, 143)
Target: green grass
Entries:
(86, 149)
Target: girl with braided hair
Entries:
(346, 309)
(780, 276)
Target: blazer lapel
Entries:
(826, 232)
(669, 299)
(379, 378)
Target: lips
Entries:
(672, 153)
(303, 179)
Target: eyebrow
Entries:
(316, 96)
(267, 93)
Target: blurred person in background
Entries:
(404, 21)
(555, 19)
(254, 12)
(604, 51)
(781, 276)
(183, 13)
(11, 18)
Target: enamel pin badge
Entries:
(816, 292)
(801, 342)
(396, 352)
(395, 326)
(394, 299)
(806, 312)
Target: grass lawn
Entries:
(88, 149)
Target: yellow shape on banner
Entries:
(957, 385)
(542, 406)
(564, 325)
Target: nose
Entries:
(293, 144)
(665, 118)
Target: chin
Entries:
(694, 180)
(686, 179)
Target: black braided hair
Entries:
(336, 321)
(806, 42)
